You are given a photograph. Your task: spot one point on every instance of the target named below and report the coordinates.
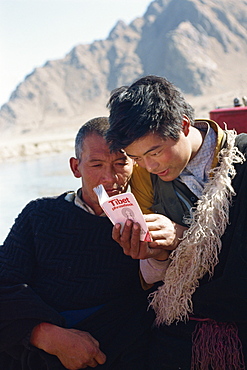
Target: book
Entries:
(120, 208)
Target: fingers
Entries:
(163, 231)
(162, 241)
(162, 236)
(129, 239)
(92, 358)
(116, 233)
(79, 350)
(151, 217)
(91, 363)
(100, 358)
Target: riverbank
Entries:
(59, 135)
(13, 149)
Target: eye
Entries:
(122, 164)
(156, 153)
(136, 158)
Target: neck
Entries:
(196, 137)
(94, 205)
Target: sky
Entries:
(35, 31)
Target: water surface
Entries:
(25, 180)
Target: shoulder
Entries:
(46, 204)
(241, 142)
(241, 167)
(141, 187)
(141, 175)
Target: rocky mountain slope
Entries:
(199, 45)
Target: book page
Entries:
(122, 207)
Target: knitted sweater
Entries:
(58, 257)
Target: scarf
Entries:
(197, 253)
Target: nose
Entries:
(109, 175)
(151, 164)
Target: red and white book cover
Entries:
(122, 207)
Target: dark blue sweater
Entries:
(57, 257)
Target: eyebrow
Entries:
(95, 160)
(154, 147)
(124, 158)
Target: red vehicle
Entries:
(234, 117)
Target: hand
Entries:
(129, 240)
(164, 232)
(74, 348)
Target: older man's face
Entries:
(99, 166)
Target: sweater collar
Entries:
(76, 197)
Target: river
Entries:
(22, 181)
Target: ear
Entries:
(74, 162)
(186, 125)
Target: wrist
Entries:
(161, 260)
(163, 255)
(43, 335)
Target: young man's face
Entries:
(163, 157)
(99, 166)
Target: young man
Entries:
(195, 180)
(70, 298)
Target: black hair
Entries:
(150, 104)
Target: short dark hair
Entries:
(150, 104)
(98, 125)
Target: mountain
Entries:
(201, 46)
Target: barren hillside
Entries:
(201, 46)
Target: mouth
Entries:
(112, 192)
(163, 173)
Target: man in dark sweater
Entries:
(70, 298)
(196, 175)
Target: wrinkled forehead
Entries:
(96, 148)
